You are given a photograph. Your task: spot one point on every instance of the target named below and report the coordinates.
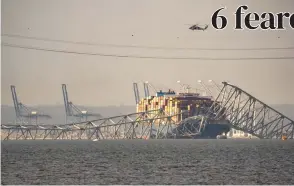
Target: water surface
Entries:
(148, 162)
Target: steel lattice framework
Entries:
(143, 125)
(248, 114)
(243, 111)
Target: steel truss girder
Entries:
(188, 128)
(250, 115)
(150, 124)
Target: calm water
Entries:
(148, 162)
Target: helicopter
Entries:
(197, 27)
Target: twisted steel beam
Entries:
(142, 125)
(248, 114)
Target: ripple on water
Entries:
(148, 162)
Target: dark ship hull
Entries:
(199, 127)
(211, 131)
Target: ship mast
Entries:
(184, 86)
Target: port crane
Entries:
(25, 115)
(136, 92)
(146, 89)
(146, 86)
(72, 112)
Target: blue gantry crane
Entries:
(25, 115)
(136, 92)
(72, 113)
(146, 89)
(146, 86)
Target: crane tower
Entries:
(25, 115)
(72, 113)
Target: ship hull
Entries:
(199, 128)
(211, 131)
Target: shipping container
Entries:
(174, 104)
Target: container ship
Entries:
(193, 107)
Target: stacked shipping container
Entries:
(175, 104)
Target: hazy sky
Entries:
(99, 81)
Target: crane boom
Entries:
(72, 112)
(146, 90)
(15, 101)
(65, 98)
(136, 92)
(23, 113)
